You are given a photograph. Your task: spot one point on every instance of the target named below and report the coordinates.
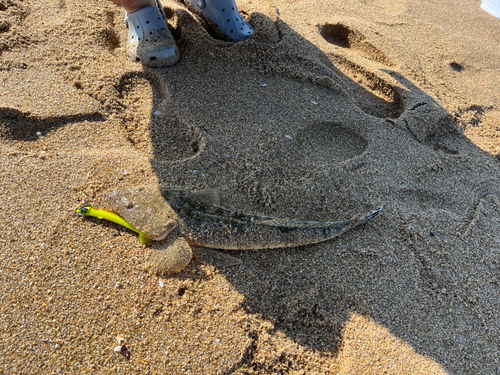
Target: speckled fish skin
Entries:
(209, 225)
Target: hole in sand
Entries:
(337, 34)
(4, 26)
(456, 66)
(195, 146)
(110, 38)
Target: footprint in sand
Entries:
(108, 35)
(381, 92)
(346, 37)
(422, 115)
(371, 90)
(152, 126)
(312, 145)
(12, 15)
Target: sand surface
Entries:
(331, 107)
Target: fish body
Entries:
(206, 224)
(201, 221)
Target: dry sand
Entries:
(330, 107)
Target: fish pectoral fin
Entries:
(219, 258)
(208, 195)
(144, 239)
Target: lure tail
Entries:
(144, 239)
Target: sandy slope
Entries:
(330, 107)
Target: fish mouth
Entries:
(163, 236)
(170, 228)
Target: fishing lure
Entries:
(88, 210)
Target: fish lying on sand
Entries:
(197, 218)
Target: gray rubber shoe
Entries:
(151, 42)
(225, 14)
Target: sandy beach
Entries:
(330, 108)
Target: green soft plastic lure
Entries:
(115, 218)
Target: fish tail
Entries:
(370, 215)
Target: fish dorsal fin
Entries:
(208, 195)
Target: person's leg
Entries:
(151, 42)
(132, 6)
(226, 16)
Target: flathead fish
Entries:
(197, 218)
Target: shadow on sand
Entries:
(403, 271)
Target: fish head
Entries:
(145, 209)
